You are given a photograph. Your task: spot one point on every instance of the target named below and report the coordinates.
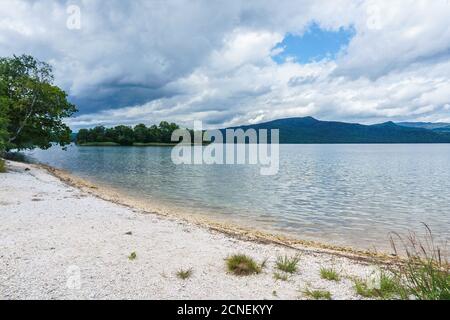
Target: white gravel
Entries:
(57, 242)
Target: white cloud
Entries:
(243, 47)
(141, 61)
(391, 35)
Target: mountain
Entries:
(311, 130)
(445, 129)
(424, 125)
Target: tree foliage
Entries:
(32, 108)
(3, 128)
(125, 135)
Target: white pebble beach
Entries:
(59, 242)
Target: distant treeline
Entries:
(127, 136)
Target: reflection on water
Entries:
(344, 194)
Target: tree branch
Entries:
(24, 122)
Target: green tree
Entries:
(34, 108)
(3, 120)
(83, 136)
(98, 134)
(111, 135)
(3, 129)
(154, 135)
(166, 130)
(125, 135)
(141, 133)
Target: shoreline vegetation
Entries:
(298, 267)
(136, 144)
(140, 135)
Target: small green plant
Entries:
(388, 287)
(282, 276)
(2, 166)
(318, 294)
(362, 289)
(425, 275)
(287, 264)
(184, 274)
(132, 256)
(242, 265)
(329, 274)
(426, 282)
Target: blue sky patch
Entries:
(314, 45)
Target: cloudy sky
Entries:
(238, 62)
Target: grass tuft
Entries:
(282, 276)
(388, 287)
(242, 265)
(318, 294)
(362, 289)
(132, 256)
(184, 274)
(425, 275)
(287, 264)
(329, 274)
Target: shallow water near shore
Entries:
(349, 195)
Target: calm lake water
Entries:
(352, 195)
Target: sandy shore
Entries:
(62, 242)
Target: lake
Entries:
(351, 195)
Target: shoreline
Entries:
(234, 230)
(55, 226)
